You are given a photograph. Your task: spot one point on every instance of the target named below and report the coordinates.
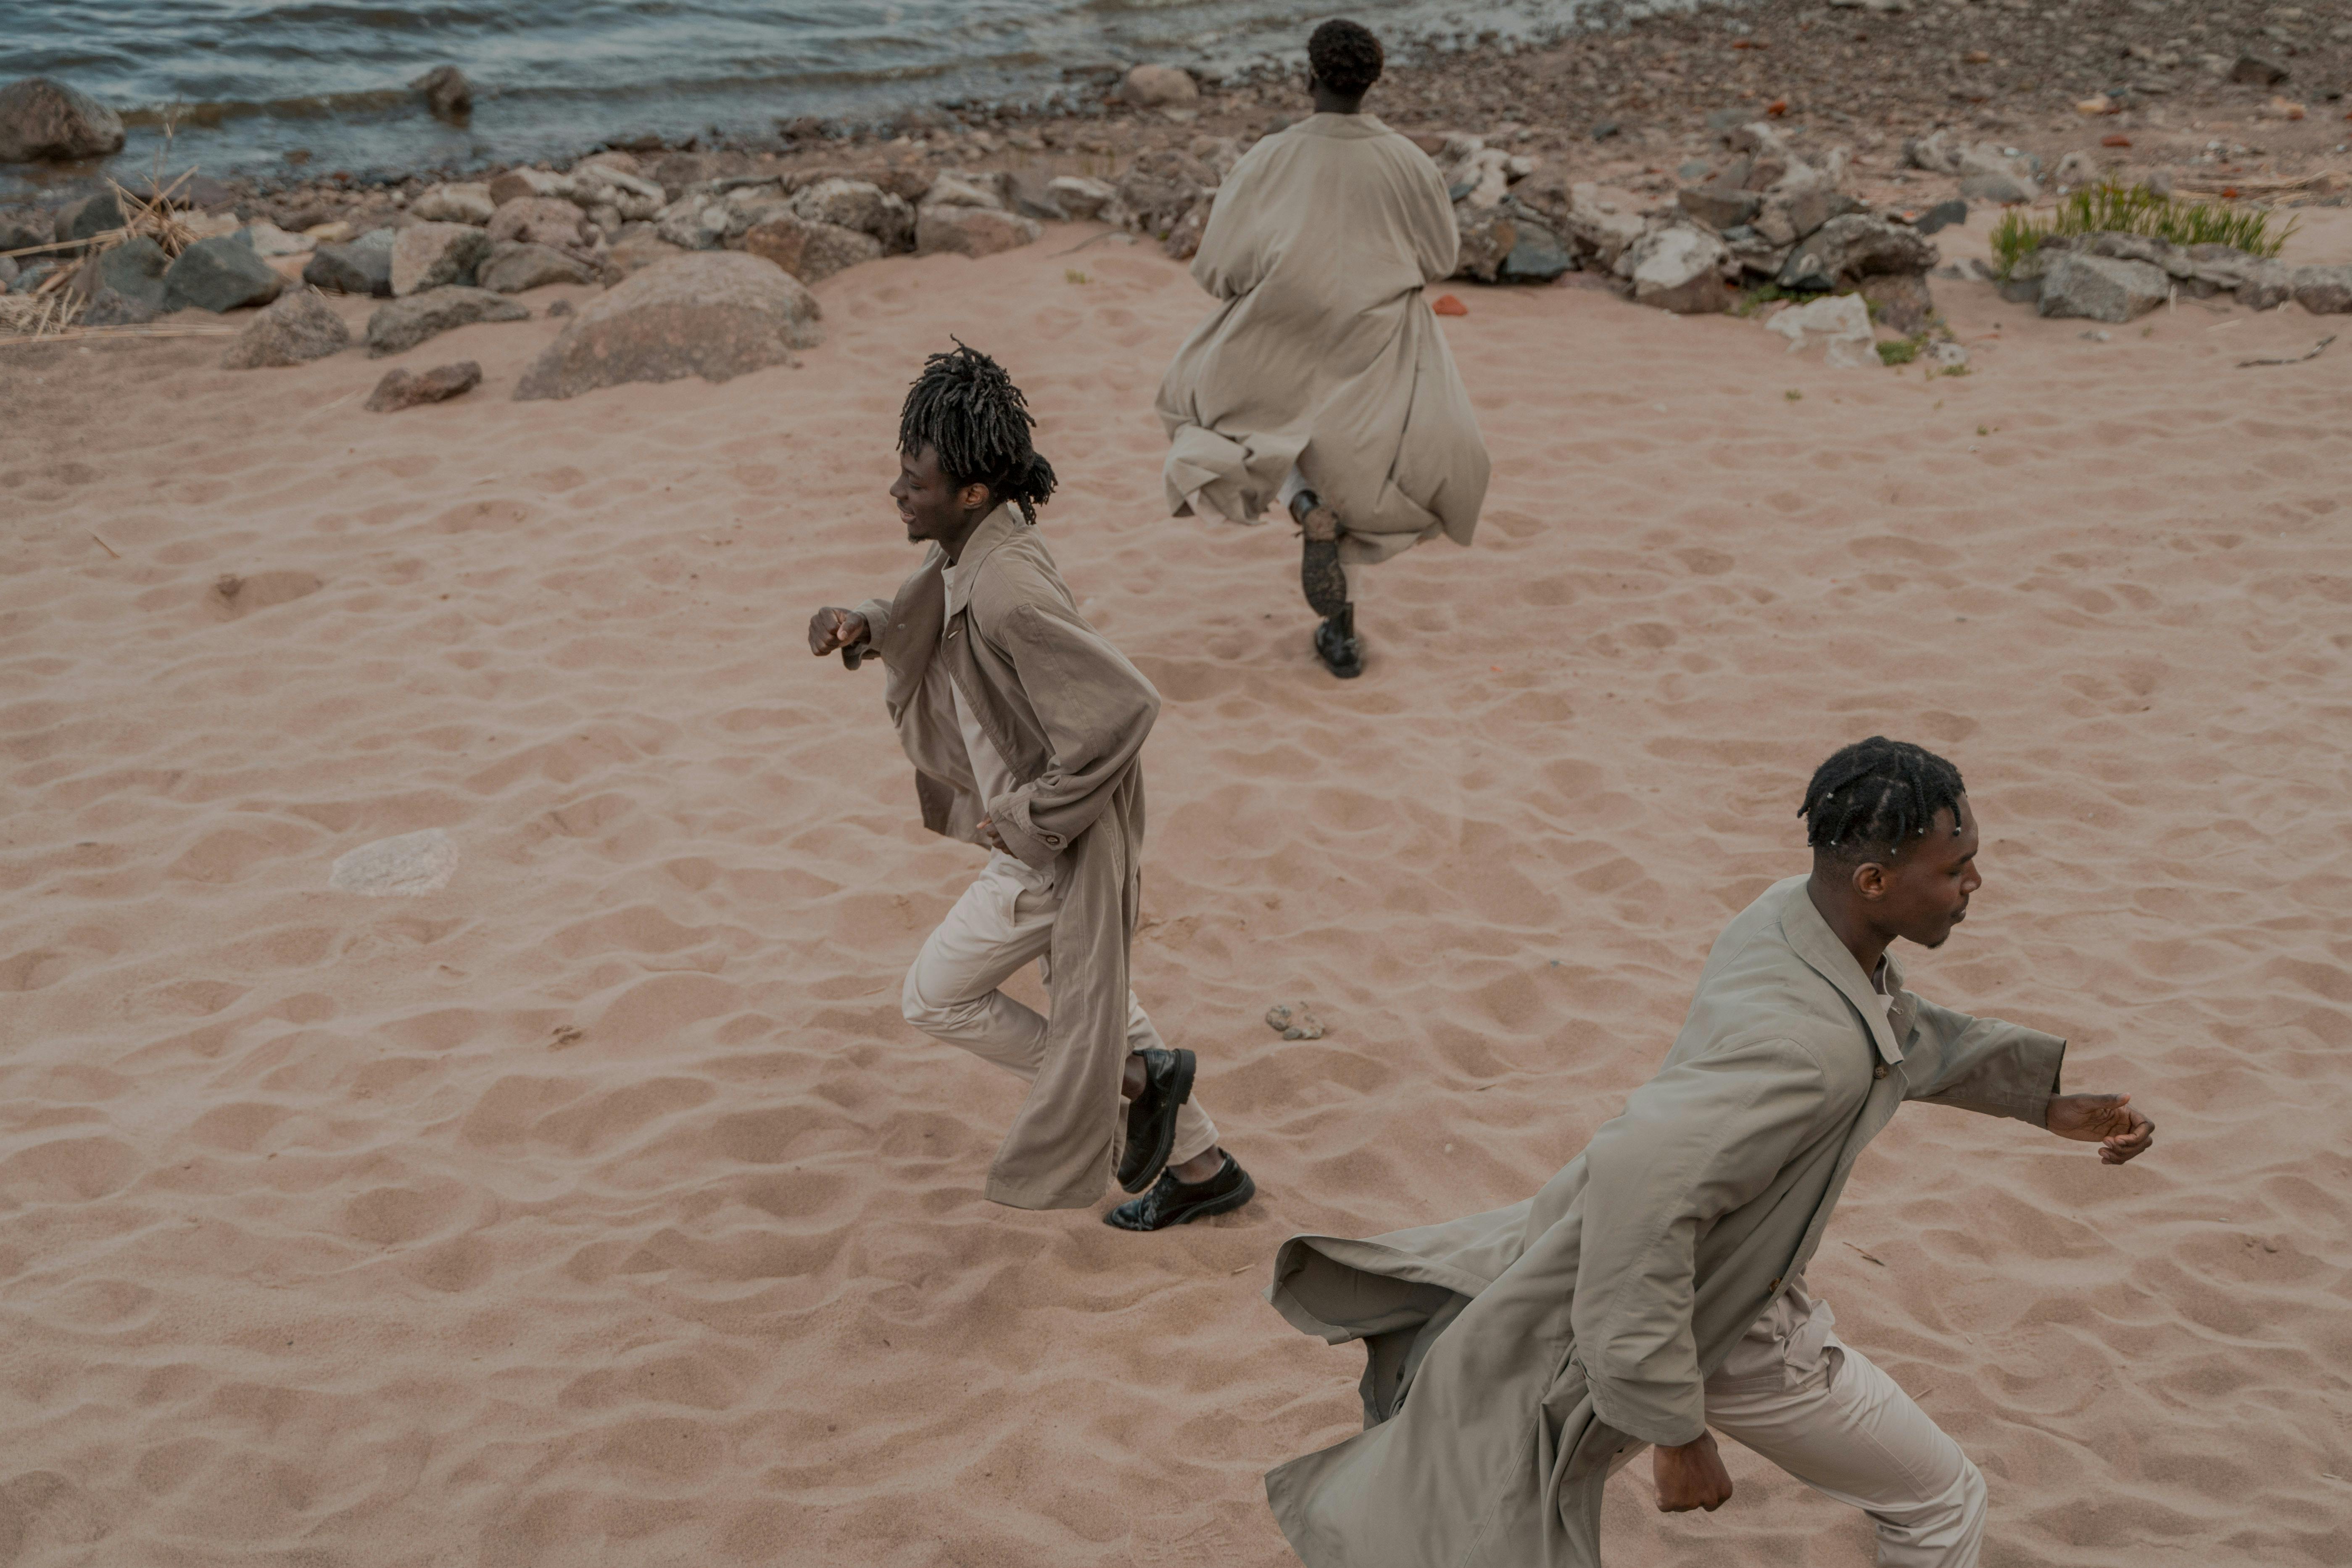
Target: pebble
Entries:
(406, 865)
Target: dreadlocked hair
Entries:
(1346, 58)
(965, 408)
(1875, 796)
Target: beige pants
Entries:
(1003, 921)
(1823, 1412)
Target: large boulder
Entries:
(717, 315)
(402, 389)
(511, 269)
(538, 220)
(218, 274)
(295, 329)
(1536, 257)
(2101, 288)
(859, 205)
(972, 231)
(361, 266)
(435, 256)
(2265, 285)
(2007, 190)
(1679, 268)
(1159, 187)
(1847, 250)
(1158, 87)
(47, 122)
(1901, 300)
(1719, 206)
(1080, 199)
(809, 251)
(2324, 290)
(1598, 228)
(406, 322)
(465, 201)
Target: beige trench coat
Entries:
(1513, 1354)
(1324, 352)
(1069, 714)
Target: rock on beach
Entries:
(219, 275)
(43, 120)
(295, 329)
(435, 256)
(1157, 87)
(402, 389)
(971, 231)
(2101, 288)
(512, 269)
(810, 251)
(361, 266)
(446, 93)
(404, 323)
(714, 314)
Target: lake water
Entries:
(249, 83)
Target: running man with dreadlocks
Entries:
(1026, 731)
(1655, 1288)
(1322, 383)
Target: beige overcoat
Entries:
(1069, 714)
(1513, 1354)
(1324, 352)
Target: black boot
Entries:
(1151, 1116)
(1172, 1201)
(1337, 645)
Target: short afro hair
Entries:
(1873, 799)
(1345, 57)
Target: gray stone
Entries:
(26, 226)
(1082, 200)
(859, 205)
(635, 199)
(2253, 70)
(1031, 194)
(295, 329)
(1487, 236)
(1680, 268)
(717, 315)
(2101, 288)
(809, 251)
(1900, 301)
(1755, 253)
(1605, 235)
(134, 270)
(363, 267)
(538, 220)
(521, 185)
(406, 322)
(30, 275)
(447, 94)
(403, 389)
(90, 217)
(637, 251)
(951, 189)
(1943, 214)
(47, 122)
(410, 865)
(109, 308)
(510, 268)
(1536, 257)
(1857, 245)
(1718, 207)
(971, 231)
(466, 202)
(1159, 187)
(218, 274)
(1157, 87)
(435, 256)
(2324, 290)
(2265, 285)
(2007, 189)
(1788, 215)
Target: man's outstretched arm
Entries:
(2006, 1069)
(2106, 1120)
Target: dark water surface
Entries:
(249, 82)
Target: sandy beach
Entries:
(598, 1208)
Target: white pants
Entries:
(1792, 1392)
(1003, 921)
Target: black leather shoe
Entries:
(1151, 1117)
(1172, 1201)
(1337, 644)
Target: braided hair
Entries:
(1873, 798)
(965, 408)
(1345, 57)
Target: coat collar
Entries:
(1345, 127)
(1811, 937)
(994, 529)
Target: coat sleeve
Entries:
(1096, 709)
(1233, 260)
(1702, 1138)
(1436, 238)
(1982, 1064)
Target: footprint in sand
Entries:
(410, 863)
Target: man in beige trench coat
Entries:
(1026, 731)
(1655, 1288)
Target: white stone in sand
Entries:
(410, 863)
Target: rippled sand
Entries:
(596, 1206)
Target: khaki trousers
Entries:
(1004, 921)
(1822, 1411)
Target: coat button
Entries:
(1053, 841)
(1775, 1285)
(1878, 1071)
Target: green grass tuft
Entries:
(1902, 351)
(2116, 208)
